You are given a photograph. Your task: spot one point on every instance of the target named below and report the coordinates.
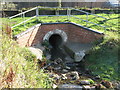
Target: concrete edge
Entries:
(86, 28)
(28, 30)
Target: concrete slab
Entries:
(77, 50)
(76, 47)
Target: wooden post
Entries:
(8, 30)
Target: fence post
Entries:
(86, 18)
(24, 18)
(21, 12)
(37, 13)
(68, 13)
(57, 12)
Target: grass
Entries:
(103, 59)
(111, 26)
(18, 67)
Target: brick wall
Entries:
(75, 33)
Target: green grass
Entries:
(103, 59)
(111, 22)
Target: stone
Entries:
(86, 87)
(67, 67)
(37, 52)
(99, 87)
(64, 76)
(58, 61)
(70, 64)
(54, 86)
(57, 31)
(65, 71)
(118, 87)
(79, 56)
(72, 75)
(116, 84)
(70, 86)
(57, 68)
(54, 76)
(93, 88)
(85, 82)
(107, 84)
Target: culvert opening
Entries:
(55, 40)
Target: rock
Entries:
(64, 71)
(85, 82)
(72, 75)
(57, 68)
(54, 76)
(118, 87)
(67, 67)
(99, 87)
(37, 52)
(70, 86)
(93, 88)
(97, 77)
(54, 86)
(58, 61)
(107, 84)
(79, 56)
(70, 64)
(86, 87)
(64, 76)
(116, 84)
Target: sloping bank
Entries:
(18, 67)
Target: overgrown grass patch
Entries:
(18, 67)
(103, 59)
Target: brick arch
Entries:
(57, 31)
(68, 31)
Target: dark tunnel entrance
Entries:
(55, 40)
(56, 51)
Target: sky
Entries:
(114, 1)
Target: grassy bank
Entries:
(18, 67)
(103, 59)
